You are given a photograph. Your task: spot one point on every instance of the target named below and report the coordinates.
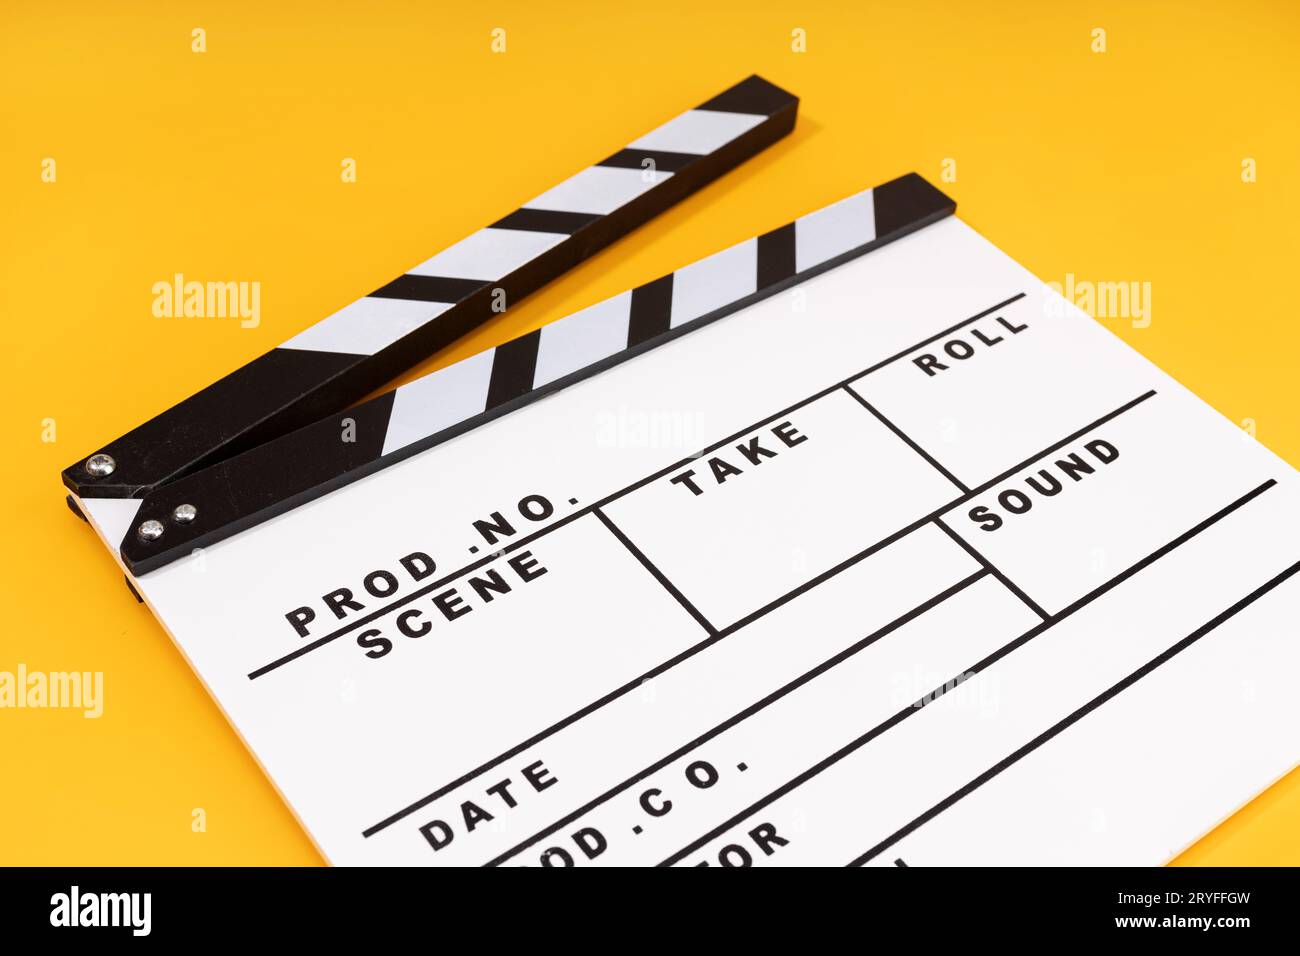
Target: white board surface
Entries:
(799, 647)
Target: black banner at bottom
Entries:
(240, 905)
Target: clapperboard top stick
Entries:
(200, 509)
(349, 354)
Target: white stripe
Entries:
(720, 279)
(489, 254)
(439, 400)
(366, 326)
(598, 190)
(836, 229)
(698, 131)
(584, 337)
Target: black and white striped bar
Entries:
(356, 350)
(269, 480)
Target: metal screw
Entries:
(184, 514)
(151, 530)
(100, 466)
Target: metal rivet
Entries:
(184, 514)
(100, 466)
(151, 530)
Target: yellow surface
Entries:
(225, 165)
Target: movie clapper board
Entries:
(850, 544)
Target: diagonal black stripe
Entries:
(776, 255)
(753, 95)
(429, 288)
(651, 313)
(513, 365)
(906, 201)
(546, 220)
(663, 161)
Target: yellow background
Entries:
(225, 165)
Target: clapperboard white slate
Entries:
(852, 543)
